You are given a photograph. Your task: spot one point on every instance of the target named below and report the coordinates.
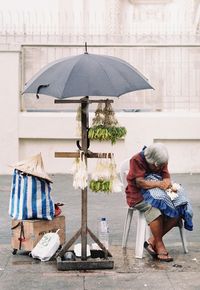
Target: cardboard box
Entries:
(34, 231)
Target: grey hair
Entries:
(156, 154)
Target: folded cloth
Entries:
(179, 206)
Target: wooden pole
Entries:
(84, 146)
(86, 154)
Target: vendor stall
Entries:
(86, 75)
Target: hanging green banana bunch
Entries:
(102, 133)
(100, 185)
(104, 178)
(105, 126)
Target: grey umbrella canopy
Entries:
(87, 75)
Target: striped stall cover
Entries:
(30, 198)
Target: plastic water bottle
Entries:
(103, 232)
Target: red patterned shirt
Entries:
(139, 168)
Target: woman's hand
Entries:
(165, 184)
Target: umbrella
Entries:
(87, 75)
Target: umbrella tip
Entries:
(86, 52)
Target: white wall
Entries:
(53, 132)
(9, 108)
(23, 134)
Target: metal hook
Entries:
(86, 48)
(78, 145)
(39, 88)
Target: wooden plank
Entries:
(90, 264)
(68, 244)
(66, 101)
(81, 101)
(99, 155)
(89, 154)
(67, 154)
(101, 101)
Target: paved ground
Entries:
(22, 272)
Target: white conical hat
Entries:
(34, 166)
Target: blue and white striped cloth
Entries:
(30, 198)
(180, 206)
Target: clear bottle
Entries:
(103, 232)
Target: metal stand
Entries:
(84, 230)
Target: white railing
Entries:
(173, 71)
(24, 26)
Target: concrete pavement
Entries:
(23, 272)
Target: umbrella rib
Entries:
(71, 73)
(131, 83)
(106, 74)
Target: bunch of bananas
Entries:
(100, 185)
(102, 133)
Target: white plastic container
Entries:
(46, 247)
(103, 232)
(77, 250)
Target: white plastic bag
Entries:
(46, 247)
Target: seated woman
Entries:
(152, 160)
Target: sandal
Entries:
(165, 257)
(149, 248)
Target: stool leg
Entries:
(147, 232)
(140, 236)
(127, 225)
(183, 239)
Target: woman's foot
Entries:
(164, 257)
(160, 250)
(149, 248)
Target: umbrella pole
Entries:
(84, 225)
(84, 230)
(84, 148)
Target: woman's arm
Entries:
(148, 184)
